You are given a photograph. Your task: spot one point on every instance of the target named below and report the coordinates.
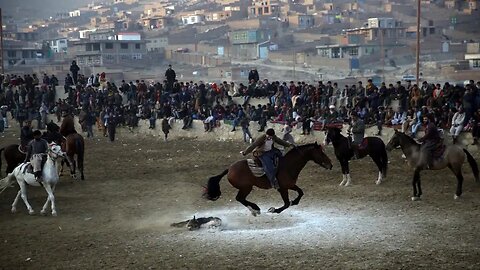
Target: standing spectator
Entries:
(68, 83)
(170, 76)
(74, 70)
(3, 116)
(380, 116)
(43, 116)
(165, 128)
(457, 124)
(476, 126)
(111, 123)
(253, 75)
(89, 122)
(245, 123)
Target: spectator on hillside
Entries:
(253, 75)
(74, 70)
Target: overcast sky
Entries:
(38, 8)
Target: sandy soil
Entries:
(119, 217)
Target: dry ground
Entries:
(119, 217)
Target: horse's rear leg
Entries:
(286, 202)
(300, 195)
(417, 188)
(242, 198)
(459, 175)
(14, 204)
(379, 163)
(23, 190)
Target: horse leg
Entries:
(50, 198)
(286, 202)
(242, 198)
(23, 190)
(416, 183)
(72, 165)
(14, 204)
(80, 168)
(300, 195)
(379, 164)
(345, 172)
(459, 175)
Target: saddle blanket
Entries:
(27, 168)
(439, 151)
(256, 170)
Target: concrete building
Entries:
(263, 8)
(473, 55)
(59, 45)
(245, 43)
(193, 19)
(108, 52)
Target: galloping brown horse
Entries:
(241, 177)
(74, 145)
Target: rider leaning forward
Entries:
(263, 148)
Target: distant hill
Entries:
(36, 9)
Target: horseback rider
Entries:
(37, 150)
(26, 135)
(431, 140)
(263, 148)
(68, 125)
(357, 129)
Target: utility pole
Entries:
(418, 43)
(2, 71)
(382, 50)
(294, 60)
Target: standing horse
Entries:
(453, 158)
(372, 146)
(74, 145)
(23, 177)
(242, 178)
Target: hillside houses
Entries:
(317, 33)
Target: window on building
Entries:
(353, 51)
(96, 46)
(88, 47)
(12, 54)
(265, 10)
(476, 63)
(123, 45)
(137, 46)
(25, 54)
(109, 46)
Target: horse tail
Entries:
(1, 150)
(80, 149)
(212, 191)
(473, 164)
(6, 182)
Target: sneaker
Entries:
(251, 140)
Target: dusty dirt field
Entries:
(119, 217)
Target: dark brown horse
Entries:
(344, 151)
(13, 157)
(452, 158)
(74, 148)
(241, 177)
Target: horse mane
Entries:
(302, 147)
(410, 139)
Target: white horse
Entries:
(23, 177)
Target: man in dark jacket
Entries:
(37, 150)
(26, 135)
(430, 141)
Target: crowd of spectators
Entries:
(99, 101)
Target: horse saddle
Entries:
(255, 167)
(27, 168)
(363, 145)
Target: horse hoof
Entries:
(342, 183)
(416, 199)
(14, 210)
(348, 184)
(378, 182)
(54, 214)
(271, 210)
(31, 212)
(43, 213)
(456, 197)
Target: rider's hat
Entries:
(37, 133)
(270, 132)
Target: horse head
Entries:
(318, 156)
(331, 134)
(55, 151)
(394, 141)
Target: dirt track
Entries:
(119, 217)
